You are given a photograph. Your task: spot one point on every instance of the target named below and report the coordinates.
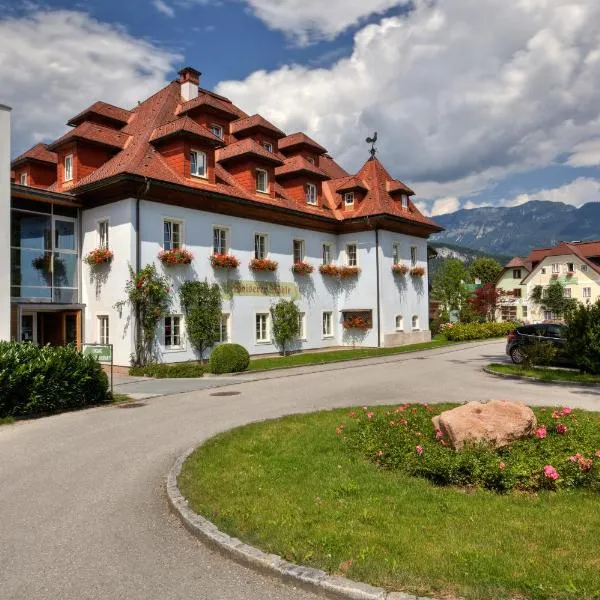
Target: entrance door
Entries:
(29, 327)
(71, 328)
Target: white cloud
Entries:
(457, 106)
(55, 63)
(577, 192)
(162, 7)
(586, 154)
(444, 206)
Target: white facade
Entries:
(5, 221)
(315, 294)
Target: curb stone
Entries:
(314, 580)
(540, 381)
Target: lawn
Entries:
(292, 487)
(544, 374)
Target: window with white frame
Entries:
(299, 251)
(224, 334)
(587, 292)
(516, 273)
(268, 146)
(326, 254)
(327, 329)
(103, 331)
(524, 312)
(396, 253)
(311, 193)
(399, 323)
(69, 167)
(570, 267)
(351, 255)
(302, 325)
(548, 315)
(24, 179)
(197, 163)
(567, 292)
(220, 243)
(584, 268)
(216, 130)
(404, 201)
(261, 248)
(262, 328)
(103, 240)
(349, 199)
(172, 332)
(172, 234)
(414, 255)
(415, 323)
(262, 181)
(555, 268)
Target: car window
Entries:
(555, 331)
(526, 330)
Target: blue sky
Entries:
(469, 115)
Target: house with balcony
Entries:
(513, 304)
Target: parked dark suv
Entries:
(525, 335)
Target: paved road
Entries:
(83, 513)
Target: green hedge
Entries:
(162, 371)
(38, 380)
(229, 358)
(462, 332)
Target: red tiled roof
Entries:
(582, 250)
(331, 168)
(299, 164)
(248, 147)
(352, 183)
(108, 111)
(185, 126)
(396, 186)
(256, 122)
(39, 152)
(518, 262)
(92, 132)
(211, 101)
(300, 139)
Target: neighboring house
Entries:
(187, 169)
(4, 220)
(514, 303)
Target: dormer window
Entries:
(69, 167)
(262, 181)
(311, 160)
(24, 179)
(311, 194)
(349, 199)
(404, 201)
(216, 130)
(197, 163)
(268, 146)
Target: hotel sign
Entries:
(260, 288)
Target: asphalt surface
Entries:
(83, 512)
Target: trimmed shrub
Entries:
(164, 371)
(38, 380)
(462, 332)
(583, 337)
(229, 358)
(538, 354)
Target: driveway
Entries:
(83, 513)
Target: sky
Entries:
(476, 102)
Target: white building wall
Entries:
(4, 221)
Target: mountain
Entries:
(515, 230)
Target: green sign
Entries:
(102, 353)
(260, 288)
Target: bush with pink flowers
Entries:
(562, 452)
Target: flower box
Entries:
(349, 272)
(262, 264)
(554, 275)
(417, 272)
(302, 268)
(175, 257)
(329, 270)
(224, 261)
(357, 323)
(400, 269)
(570, 273)
(99, 256)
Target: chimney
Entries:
(190, 80)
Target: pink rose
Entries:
(597, 453)
(566, 411)
(541, 433)
(502, 466)
(561, 428)
(419, 450)
(550, 472)
(370, 415)
(439, 435)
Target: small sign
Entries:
(260, 288)
(102, 353)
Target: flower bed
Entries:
(400, 269)
(329, 270)
(302, 268)
(345, 272)
(417, 272)
(563, 451)
(224, 261)
(99, 256)
(176, 257)
(263, 264)
(463, 332)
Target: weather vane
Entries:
(372, 142)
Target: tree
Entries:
(583, 337)
(486, 269)
(552, 299)
(201, 304)
(485, 301)
(286, 323)
(449, 285)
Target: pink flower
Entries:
(561, 428)
(403, 422)
(541, 433)
(576, 457)
(597, 453)
(550, 472)
(439, 435)
(566, 411)
(419, 450)
(502, 466)
(370, 415)
(352, 415)
(556, 414)
(400, 409)
(585, 464)
(339, 429)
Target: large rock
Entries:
(498, 422)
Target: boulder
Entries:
(498, 422)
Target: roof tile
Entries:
(39, 152)
(255, 122)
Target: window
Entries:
(216, 130)
(413, 255)
(543, 270)
(103, 334)
(173, 332)
(103, 233)
(197, 163)
(220, 240)
(268, 146)
(302, 325)
(399, 323)
(524, 312)
(262, 181)
(326, 254)
(24, 179)
(516, 273)
(548, 315)
(587, 292)
(298, 251)
(555, 268)
(224, 329)
(396, 253)
(404, 201)
(567, 293)
(327, 324)
(349, 198)
(351, 255)
(262, 328)
(517, 293)
(69, 167)
(570, 267)
(260, 246)
(172, 234)
(311, 160)
(584, 268)
(415, 323)
(311, 193)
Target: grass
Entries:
(544, 374)
(121, 398)
(291, 487)
(7, 420)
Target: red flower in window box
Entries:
(175, 257)
(224, 261)
(400, 269)
(349, 272)
(329, 270)
(570, 273)
(356, 322)
(417, 272)
(302, 268)
(99, 256)
(263, 264)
